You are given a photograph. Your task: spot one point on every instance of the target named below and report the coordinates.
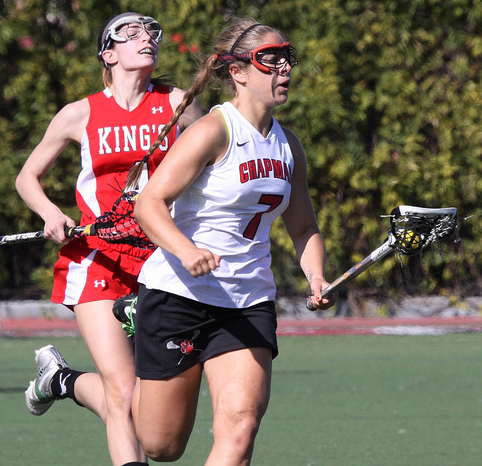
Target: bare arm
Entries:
(201, 144)
(300, 221)
(66, 126)
(192, 113)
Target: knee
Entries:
(119, 398)
(162, 452)
(246, 427)
(161, 445)
(239, 431)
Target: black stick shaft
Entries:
(70, 232)
(22, 237)
(384, 250)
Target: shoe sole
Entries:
(37, 408)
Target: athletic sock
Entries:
(62, 385)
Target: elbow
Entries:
(139, 210)
(19, 183)
(25, 181)
(143, 209)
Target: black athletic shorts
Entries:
(174, 333)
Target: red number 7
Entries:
(273, 201)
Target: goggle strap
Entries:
(228, 58)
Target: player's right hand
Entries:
(200, 262)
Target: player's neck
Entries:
(130, 91)
(257, 114)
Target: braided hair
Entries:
(241, 35)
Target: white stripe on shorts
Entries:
(76, 279)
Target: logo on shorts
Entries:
(99, 283)
(186, 346)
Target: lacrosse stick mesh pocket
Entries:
(120, 226)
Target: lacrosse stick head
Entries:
(414, 228)
(120, 226)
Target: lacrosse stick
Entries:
(412, 229)
(117, 226)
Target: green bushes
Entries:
(386, 101)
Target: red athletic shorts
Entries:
(83, 274)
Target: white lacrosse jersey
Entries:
(228, 210)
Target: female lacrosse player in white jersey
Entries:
(114, 129)
(206, 301)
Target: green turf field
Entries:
(337, 400)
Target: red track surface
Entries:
(31, 327)
(364, 326)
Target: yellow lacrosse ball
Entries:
(410, 240)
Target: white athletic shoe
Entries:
(38, 396)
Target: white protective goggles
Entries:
(128, 28)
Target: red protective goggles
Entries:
(265, 58)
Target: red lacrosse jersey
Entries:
(113, 141)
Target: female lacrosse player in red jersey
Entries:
(206, 301)
(114, 128)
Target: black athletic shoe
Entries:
(124, 310)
